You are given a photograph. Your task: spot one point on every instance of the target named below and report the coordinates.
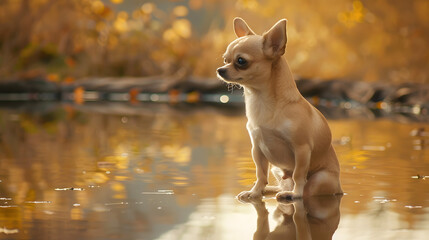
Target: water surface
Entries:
(162, 172)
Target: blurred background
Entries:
(114, 126)
(64, 41)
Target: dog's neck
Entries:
(279, 89)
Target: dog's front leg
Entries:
(299, 176)
(261, 163)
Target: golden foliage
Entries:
(180, 11)
(369, 40)
(117, 1)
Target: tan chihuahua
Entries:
(285, 129)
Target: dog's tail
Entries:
(284, 184)
(272, 189)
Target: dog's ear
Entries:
(241, 28)
(275, 40)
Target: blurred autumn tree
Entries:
(383, 40)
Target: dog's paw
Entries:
(287, 196)
(249, 196)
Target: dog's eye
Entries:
(241, 61)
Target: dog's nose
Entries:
(221, 72)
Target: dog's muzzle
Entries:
(222, 72)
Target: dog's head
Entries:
(250, 57)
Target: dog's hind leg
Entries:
(323, 183)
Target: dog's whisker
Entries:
(231, 87)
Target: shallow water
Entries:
(160, 172)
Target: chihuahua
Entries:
(286, 131)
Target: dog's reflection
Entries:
(309, 218)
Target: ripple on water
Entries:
(69, 189)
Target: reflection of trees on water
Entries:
(197, 154)
(115, 158)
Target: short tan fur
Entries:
(286, 131)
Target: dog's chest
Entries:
(275, 144)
